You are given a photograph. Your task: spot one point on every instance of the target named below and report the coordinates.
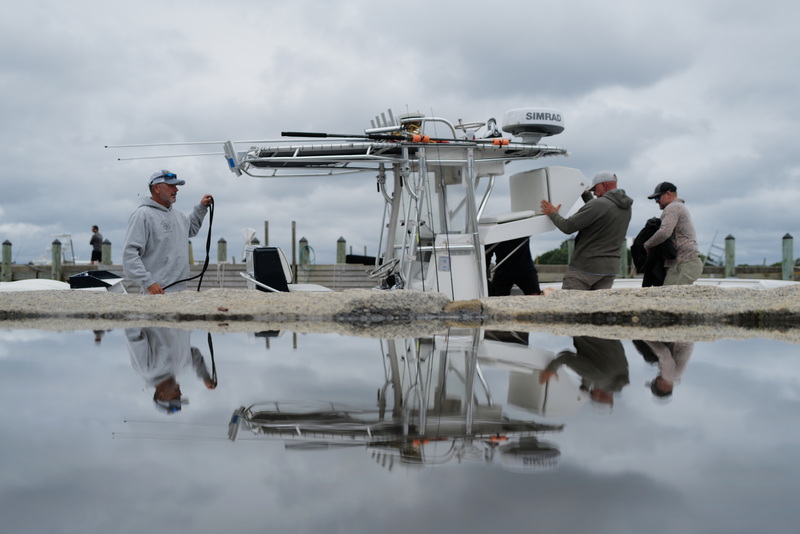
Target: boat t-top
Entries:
(435, 178)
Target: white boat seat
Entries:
(559, 185)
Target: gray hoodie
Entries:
(157, 244)
(601, 224)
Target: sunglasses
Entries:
(163, 178)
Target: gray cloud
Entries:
(702, 95)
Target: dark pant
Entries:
(527, 281)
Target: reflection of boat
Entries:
(435, 405)
(429, 172)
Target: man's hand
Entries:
(548, 208)
(546, 375)
(207, 200)
(155, 289)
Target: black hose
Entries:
(213, 364)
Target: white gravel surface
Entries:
(674, 313)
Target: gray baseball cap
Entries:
(602, 177)
(165, 177)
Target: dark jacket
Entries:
(601, 224)
(652, 265)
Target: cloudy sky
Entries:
(703, 94)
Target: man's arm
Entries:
(199, 365)
(583, 218)
(198, 214)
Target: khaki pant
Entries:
(684, 274)
(575, 279)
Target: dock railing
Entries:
(343, 276)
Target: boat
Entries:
(33, 284)
(726, 283)
(435, 178)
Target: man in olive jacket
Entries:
(601, 224)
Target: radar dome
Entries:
(531, 124)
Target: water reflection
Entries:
(159, 355)
(430, 425)
(600, 363)
(434, 406)
(671, 359)
(98, 335)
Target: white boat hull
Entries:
(746, 283)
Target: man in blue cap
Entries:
(156, 252)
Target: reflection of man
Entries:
(672, 359)
(98, 335)
(600, 363)
(159, 355)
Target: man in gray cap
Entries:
(676, 223)
(601, 224)
(156, 252)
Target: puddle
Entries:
(455, 432)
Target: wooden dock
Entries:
(339, 277)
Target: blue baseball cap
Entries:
(170, 406)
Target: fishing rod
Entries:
(414, 138)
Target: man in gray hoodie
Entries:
(156, 251)
(601, 224)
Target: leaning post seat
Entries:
(559, 185)
(268, 265)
